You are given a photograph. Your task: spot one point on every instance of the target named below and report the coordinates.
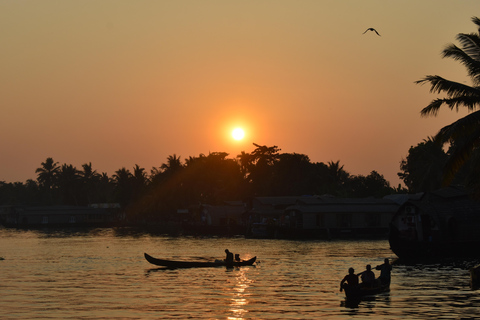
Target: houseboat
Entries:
(440, 224)
(322, 217)
(100, 215)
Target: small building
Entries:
(443, 223)
(59, 216)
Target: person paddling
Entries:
(368, 277)
(385, 272)
(229, 257)
(350, 280)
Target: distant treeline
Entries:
(214, 178)
(209, 179)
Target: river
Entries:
(101, 274)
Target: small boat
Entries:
(358, 292)
(197, 264)
(475, 277)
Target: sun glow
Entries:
(238, 133)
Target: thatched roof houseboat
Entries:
(444, 223)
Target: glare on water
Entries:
(101, 274)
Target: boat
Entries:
(197, 264)
(360, 291)
(475, 277)
(437, 225)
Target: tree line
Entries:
(208, 179)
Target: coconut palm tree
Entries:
(172, 166)
(89, 179)
(123, 185)
(463, 134)
(46, 174)
(69, 183)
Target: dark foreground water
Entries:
(101, 274)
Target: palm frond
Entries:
(464, 135)
(476, 20)
(432, 108)
(461, 129)
(451, 88)
(471, 44)
(458, 95)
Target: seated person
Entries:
(237, 257)
(368, 277)
(350, 280)
(229, 257)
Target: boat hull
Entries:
(197, 264)
(359, 291)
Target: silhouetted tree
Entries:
(337, 178)
(139, 182)
(293, 175)
(423, 167)
(465, 132)
(245, 160)
(172, 166)
(123, 186)
(69, 184)
(373, 185)
(46, 177)
(260, 169)
(90, 184)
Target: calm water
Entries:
(101, 274)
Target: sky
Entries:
(119, 83)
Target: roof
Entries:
(321, 204)
(349, 205)
(60, 210)
(447, 202)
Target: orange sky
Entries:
(119, 83)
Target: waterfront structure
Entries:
(439, 224)
(99, 215)
(321, 217)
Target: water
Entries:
(101, 274)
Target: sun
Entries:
(238, 133)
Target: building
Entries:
(60, 216)
(438, 224)
(321, 217)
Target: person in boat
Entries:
(350, 280)
(385, 272)
(368, 277)
(229, 257)
(237, 257)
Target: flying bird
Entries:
(371, 29)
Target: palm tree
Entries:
(90, 179)
(47, 173)
(465, 132)
(337, 177)
(69, 183)
(244, 160)
(123, 185)
(173, 165)
(139, 182)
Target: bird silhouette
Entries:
(371, 29)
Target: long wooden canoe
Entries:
(197, 264)
(359, 291)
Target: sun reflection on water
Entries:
(240, 296)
